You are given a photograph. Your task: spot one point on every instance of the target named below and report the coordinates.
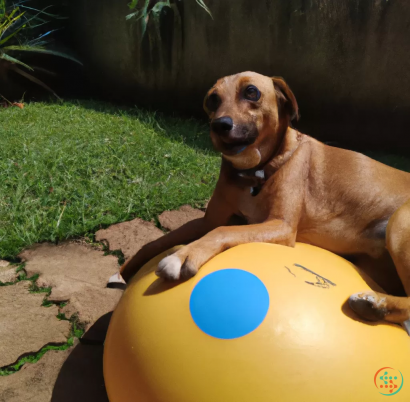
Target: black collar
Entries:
(253, 178)
(256, 177)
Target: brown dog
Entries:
(289, 187)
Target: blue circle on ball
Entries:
(229, 303)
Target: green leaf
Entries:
(132, 15)
(9, 21)
(5, 56)
(160, 5)
(3, 41)
(10, 16)
(35, 80)
(133, 4)
(142, 14)
(205, 7)
(42, 11)
(45, 71)
(37, 16)
(39, 49)
(2, 9)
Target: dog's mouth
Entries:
(236, 140)
(236, 147)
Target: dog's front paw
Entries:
(116, 281)
(169, 268)
(176, 266)
(369, 305)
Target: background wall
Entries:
(347, 61)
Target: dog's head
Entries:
(249, 112)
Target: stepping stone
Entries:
(68, 268)
(91, 304)
(8, 275)
(129, 236)
(172, 220)
(25, 325)
(76, 273)
(34, 382)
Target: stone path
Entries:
(7, 274)
(77, 274)
(26, 326)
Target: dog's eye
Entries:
(252, 93)
(213, 102)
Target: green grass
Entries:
(68, 169)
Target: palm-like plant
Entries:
(15, 22)
(145, 8)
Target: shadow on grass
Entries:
(191, 131)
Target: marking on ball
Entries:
(229, 303)
(321, 281)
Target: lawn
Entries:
(69, 169)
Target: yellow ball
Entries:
(258, 323)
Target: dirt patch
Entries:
(172, 220)
(130, 236)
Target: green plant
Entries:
(152, 8)
(19, 25)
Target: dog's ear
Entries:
(211, 101)
(204, 105)
(285, 97)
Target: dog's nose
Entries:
(222, 125)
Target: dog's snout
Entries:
(222, 125)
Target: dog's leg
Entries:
(377, 306)
(186, 233)
(217, 214)
(189, 232)
(187, 261)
